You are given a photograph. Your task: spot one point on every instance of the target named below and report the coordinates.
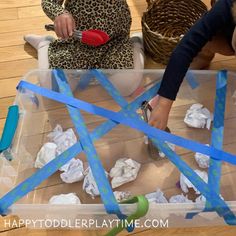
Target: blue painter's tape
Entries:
(158, 138)
(191, 79)
(143, 127)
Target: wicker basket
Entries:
(164, 24)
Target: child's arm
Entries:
(52, 8)
(218, 18)
(64, 22)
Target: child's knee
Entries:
(126, 82)
(138, 56)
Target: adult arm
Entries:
(218, 18)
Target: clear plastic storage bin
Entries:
(39, 116)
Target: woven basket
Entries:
(164, 24)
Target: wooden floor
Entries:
(18, 18)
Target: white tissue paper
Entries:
(45, 155)
(67, 165)
(63, 140)
(121, 196)
(60, 142)
(89, 184)
(157, 197)
(124, 171)
(200, 199)
(198, 117)
(74, 172)
(69, 198)
(202, 159)
(179, 199)
(185, 184)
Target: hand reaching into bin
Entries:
(214, 32)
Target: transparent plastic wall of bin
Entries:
(39, 116)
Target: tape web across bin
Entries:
(129, 117)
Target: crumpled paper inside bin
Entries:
(198, 116)
(89, 185)
(157, 197)
(46, 154)
(74, 172)
(185, 184)
(70, 198)
(124, 171)
(202, 159)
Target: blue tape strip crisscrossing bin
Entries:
(128, 116)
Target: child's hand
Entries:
(160, 113)
(64, 25)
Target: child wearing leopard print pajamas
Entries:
(111, 16)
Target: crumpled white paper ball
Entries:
(63, 139)
(157, 197)
(46, 154)
(121, 196)
(180, 199)
(69, 198)
(124, 171)
(74, 171)
(89, 185)
(185, 184)
(202, 159)
(198, 117)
